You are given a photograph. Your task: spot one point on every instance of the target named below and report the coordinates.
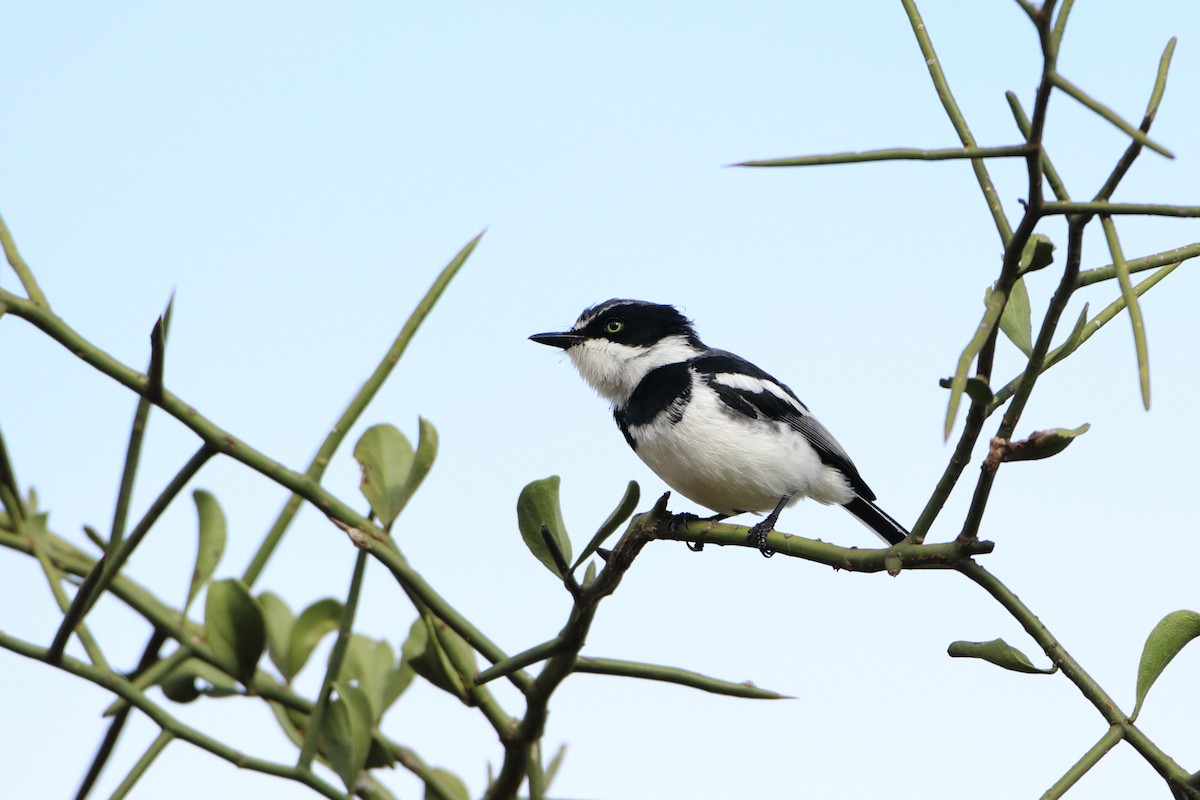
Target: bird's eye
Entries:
(614, 326)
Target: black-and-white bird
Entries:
(719, 430)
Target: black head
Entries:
(630, 322)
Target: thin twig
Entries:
(358, 404)
(24, 274)
(965, 136)
(893, 154)
(122, 687)
(1089, 759)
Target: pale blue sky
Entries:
(297, 173)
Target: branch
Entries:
(1135, 310)
(1108, 708)
(1110, 115)
(956, 118)
(358, 404)
(108, 568)
(895, 154)
(1089, 759)
(1106, 273)
(345, 625)
(1085, 332)
(683, 677)
(519, 747)
(1113, 209)
(905, 555)
(122, 687)
(24, 274)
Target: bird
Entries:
(716, 428)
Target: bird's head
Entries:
(615, 343)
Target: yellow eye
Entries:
(614, 326)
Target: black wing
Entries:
(748, 390)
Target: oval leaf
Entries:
(347, 732)
(212, 542)
(1037, 254)
(279, 620)
(622, 512)
(427, 447)
(234, 626)
(368, 665)
(979, 391)
(1042, 444)
(429, 661)
(399, 679)
(180, 685)
(449, 786)
(386, 459)
(1164, 643)
(1075, 337)
(1016, 320)
(320, 618)
(537, 506)
(998, 652)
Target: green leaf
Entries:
(212, 542)
(399, 679)
(983, 332)
(427, 448)
(449, 786)
(622, 512)
(386, 459)
(460, 654)
(234, 626)
(537, 506)
(369, 665)
(555, 763)
(180, 685)
(1164, 643)
(1042, 444)
(1038, 254)
(423, 659)
(1016, 320)
(428, 657)
(154, 373)
(318, 619)
(1076, 335)
(589, 574)
(291, 722)
(279, 621)
(979, 391)
(347, 732)
(998, 652)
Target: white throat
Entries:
(614, 370)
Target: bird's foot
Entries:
(757, 536)
(680, 520)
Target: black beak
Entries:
(563, 340)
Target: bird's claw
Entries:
(758, 537)
(680, 520)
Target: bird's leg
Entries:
(758, 534)
(684, 518)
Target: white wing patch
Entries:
(749, 383)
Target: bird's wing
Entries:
(748, 390)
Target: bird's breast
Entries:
(725, 460)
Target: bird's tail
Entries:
(877, 520)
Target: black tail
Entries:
(877, 520)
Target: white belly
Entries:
(729, 464)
